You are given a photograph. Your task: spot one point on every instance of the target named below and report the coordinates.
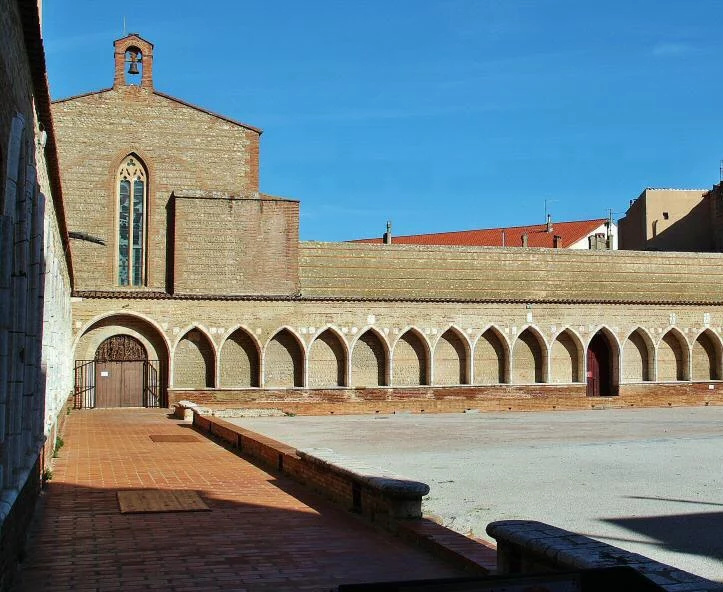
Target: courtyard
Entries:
(646, 480)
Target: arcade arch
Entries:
(194, 361)
(327, 361)
(528, 357)
(239, 366)
(451, 356)
(409, 360)
(369, 361)
(284, 361)
(490, 358)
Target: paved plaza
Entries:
(646, 480)
(263, 532)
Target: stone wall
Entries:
(181, 147)
(411, 272)
(292, 343)
(35, 280)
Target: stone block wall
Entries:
(35, 280)
(411, 272)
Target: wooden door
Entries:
(119, 384)
(108, 384)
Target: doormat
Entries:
(160, 500)
(173, 438)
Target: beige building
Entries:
(192, 284)
(669, 220)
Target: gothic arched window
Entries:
(132, 190)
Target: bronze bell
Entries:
(133, 64)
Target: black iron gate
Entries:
(100, 384)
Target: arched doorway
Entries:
(123, 375)
(599, 367)
(121, 338)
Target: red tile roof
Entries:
(537, 235)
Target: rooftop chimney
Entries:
(524, 240)
(549, 223)
(557, 241)
(387, 239)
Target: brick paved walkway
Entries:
(263, 532)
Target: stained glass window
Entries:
(131, 222)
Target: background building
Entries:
(674, 220)
(597, 234)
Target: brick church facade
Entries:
(190, 283)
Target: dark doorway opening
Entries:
(599, 368)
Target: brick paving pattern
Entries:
(263, 532)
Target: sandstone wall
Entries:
(355, 271)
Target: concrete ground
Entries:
(646, 480)
(263, 532)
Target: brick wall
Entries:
(527, 359)
(235, 246)
(496, 398)
(326, 362)
(410, 361)
(283, 362)
(565, 360)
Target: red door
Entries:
(598, 368)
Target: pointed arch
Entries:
(240, 357)
(369, 360)
(194, 360)
(673, 356)
(638, 356)
(602, 362)
(284, 360)
(451, 358)
(410, 359)
(706, 357)
(327, 360)
(131, 191)
(566, 357)
(491, 358)
(529, 357)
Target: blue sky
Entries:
(436, 114)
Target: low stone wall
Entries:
(539, 397)
(525, 546)
(381, 497)
(387, 500)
